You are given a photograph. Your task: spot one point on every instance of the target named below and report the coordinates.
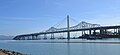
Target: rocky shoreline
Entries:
(8, 52)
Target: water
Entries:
(37, 48)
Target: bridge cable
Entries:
(59, 23)
(76, 22)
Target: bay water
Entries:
(36, 47)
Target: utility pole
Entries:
(68, 33)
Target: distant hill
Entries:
(4, 37)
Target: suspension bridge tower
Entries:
(68, 28)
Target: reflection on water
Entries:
(37, 48)
(68, 48)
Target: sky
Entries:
(31, 16)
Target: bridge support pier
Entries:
(33, 38)
(28, 38)
(36, 37)
(89, 32)
(105, 31)
(119, 31)
(83, 32)
(52, 36)
(94, 32)
(101, 31)
(115, 31)
(45, 36)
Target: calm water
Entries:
(37, 48)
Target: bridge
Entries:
(86, 29)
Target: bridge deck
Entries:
(71, 30)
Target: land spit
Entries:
(8, 52)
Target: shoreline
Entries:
(9, 52)
(84, 42)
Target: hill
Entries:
(4, 37)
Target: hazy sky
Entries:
(29, 16)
